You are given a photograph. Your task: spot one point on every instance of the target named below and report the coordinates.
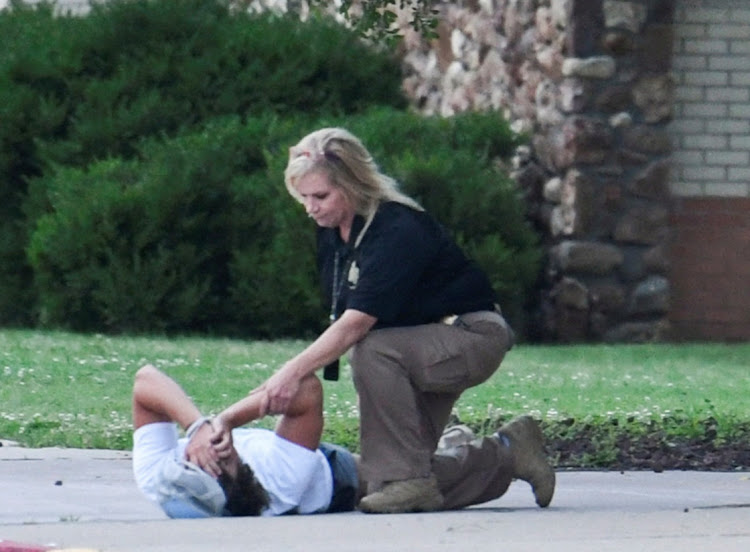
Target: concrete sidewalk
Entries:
(68, 498)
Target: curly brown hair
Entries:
(245, 495)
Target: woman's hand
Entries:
(278, 392)
(280, 389)
(221, 440)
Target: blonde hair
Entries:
(343, 158)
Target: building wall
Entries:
(711, 268)
(71, 7)
(710, 179)
(711, 128)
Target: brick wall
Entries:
(711, 128)
(710, 248)
(710, 275)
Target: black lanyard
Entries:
(331, 370)
(336, 287)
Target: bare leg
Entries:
(303, 422)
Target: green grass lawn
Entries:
(74, 390)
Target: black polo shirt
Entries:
(407, 270)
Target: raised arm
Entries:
(281, 388)
(302, 423)
(158, 398)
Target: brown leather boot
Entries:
(526, 445)
(410, 495)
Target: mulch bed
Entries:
(589, 446)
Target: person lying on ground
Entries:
(220, 468)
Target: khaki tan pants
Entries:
(408, 380)
(474, 473)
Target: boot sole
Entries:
(392, 503)
(397, 509)
(543, 487)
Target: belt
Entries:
(450, 319)
(455, 320)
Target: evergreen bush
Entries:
(144, 245)
(155, 66)
(74, 90)
(26, 115)
(197, 234)
(143, 159)
(200, 234)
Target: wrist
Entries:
(196, 425)
(224, 420)
(297, 369)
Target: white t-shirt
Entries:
(297, 479)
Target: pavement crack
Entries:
(721, 506)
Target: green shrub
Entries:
(452, 167)
(74, 90)
(200, 234)
(143, 245)
(275, 288)
(141, 159)
(116, 256)
(27, 113)
(147, 67)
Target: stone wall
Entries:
(589, 82)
